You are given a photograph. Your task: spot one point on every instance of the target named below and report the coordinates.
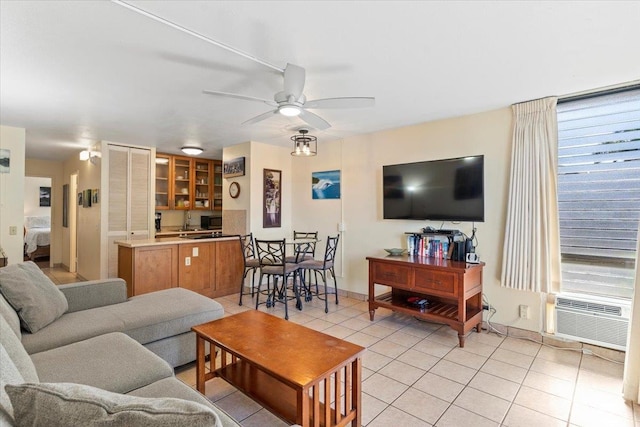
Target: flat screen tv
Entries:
(439, 190)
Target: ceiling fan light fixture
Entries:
(304, 145)
(289, 110)
(192, 151)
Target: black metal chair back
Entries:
(331, 249)
(248, 249)
(306, 248)
(271, 252)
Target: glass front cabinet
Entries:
(185, 183)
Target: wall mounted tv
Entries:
(439, 190)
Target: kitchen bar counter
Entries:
(178, 231)
(210, 265)
(137, 243)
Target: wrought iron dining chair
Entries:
(321, 268)
(304, 251)
(271, 254)
(251, 263)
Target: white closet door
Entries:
(129, 192)
(140, 162)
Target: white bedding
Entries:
(38, 232)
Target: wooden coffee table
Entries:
(285, 367)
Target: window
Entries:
(599, 192)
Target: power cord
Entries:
(491, 329)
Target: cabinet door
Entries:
(229, 267)
(202, 184)
(182, 178)
(195, 270)
(217, 185)
(162, 165)
(155, 268)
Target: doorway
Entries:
(37, 220)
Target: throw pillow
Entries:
(67, 404)
(34, 297)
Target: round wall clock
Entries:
(234, 189)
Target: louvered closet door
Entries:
(129, 192)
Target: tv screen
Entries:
(442, 190)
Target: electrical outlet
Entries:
(524, 311)
(485, 307)
(13, 230)
(194, 252)
(187, 261)
(342, 227)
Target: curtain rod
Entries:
(632, 85)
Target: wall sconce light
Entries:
(304, 145)
(90, 155)
(192, 151)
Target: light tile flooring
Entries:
(414, 374)
(59, 276)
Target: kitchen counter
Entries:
(210, 265)
(173, 240)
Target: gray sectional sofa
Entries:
(86, 348)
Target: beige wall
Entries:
(264, 156)
(243, 201)
(88, 219)
(361, 159)
(53, 170)
(11, 193)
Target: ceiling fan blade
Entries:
(260, 117)
(314, 120)
(245, 97)
(346, 102)
(294, 80)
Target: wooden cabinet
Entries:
(195, 270)
(213, 268)
(453, 290)
(148, 268)
(186, 183)
(163, 176)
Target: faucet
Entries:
(187, 219)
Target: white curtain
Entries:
(631, 380)
(531, 256)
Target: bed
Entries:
(37, 236)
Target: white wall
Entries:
(361, 159)
(32, 196)
(11, 194)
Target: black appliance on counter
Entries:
(158, 221)
(211, 222)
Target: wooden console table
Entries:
(452, 288)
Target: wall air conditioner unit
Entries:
(595, 320)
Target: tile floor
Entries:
(58, 275)
(414, 374)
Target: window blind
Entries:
(599, 192)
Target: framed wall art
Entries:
(325, 185)
(234, 167)
(45, 196)
(272, 212)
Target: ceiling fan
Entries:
(291, 101)
(288, 102)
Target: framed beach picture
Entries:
(325, 185)
(271, 211)
(234, 167)
(45, 196)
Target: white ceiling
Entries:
(73, 73)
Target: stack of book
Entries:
(427, 246)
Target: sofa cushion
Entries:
(66, 404)
(17, 353)
(10, 316)
(158, 315)
(72, 327)
(34, 297)
(113, 362)
(9, 374)
(173, 387)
